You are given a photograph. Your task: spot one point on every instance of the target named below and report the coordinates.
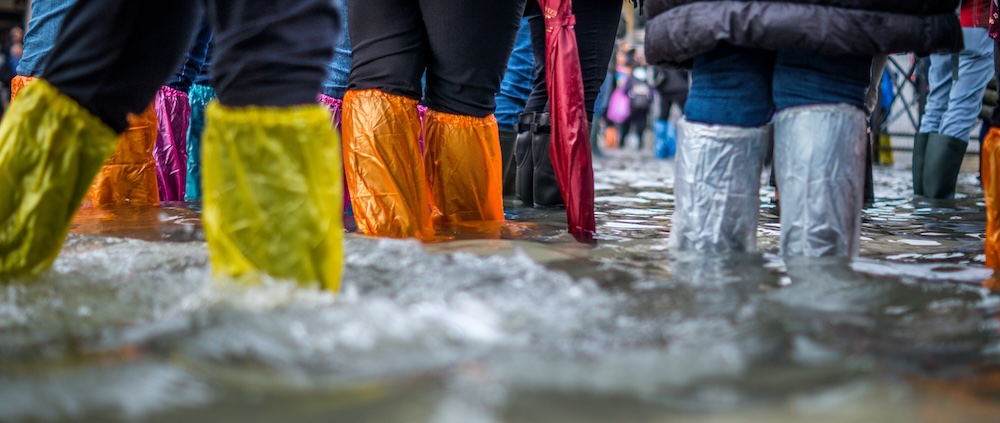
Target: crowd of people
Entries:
(444, 109)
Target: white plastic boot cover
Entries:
(819, 154)
(716, 187)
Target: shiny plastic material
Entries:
(173, 110)
(990, 156)
(199, 97)
(464, 168)
(820, 153)
(129, 175)
(717, 187)
(272, 193)
(50, 150)
(385, 168)
(17, 84)
(336, 108)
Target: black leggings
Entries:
(596, 27)
(112, 56)
(462, 45)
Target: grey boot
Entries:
(507, 141)
(716, 187)
(820, 154)
(942, 163)
(524, 165)
(919, 150)
(545, 187)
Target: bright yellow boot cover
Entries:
(885, 150)
(464, 168)
(990, 156)
(50, 150)
(129, 175)
(272, 193)
(385, 169)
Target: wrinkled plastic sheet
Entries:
(273, 194)
(199, 97)
(990, 156)
(464, 168)
(173, 109)
(717, 187)
(384, 165)
(50, 150)
(819, 155)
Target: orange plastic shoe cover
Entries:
(384, 166)
(464, 168)
(990, 156)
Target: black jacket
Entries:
(679, 30)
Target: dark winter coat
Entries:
(679, 30)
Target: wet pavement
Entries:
(515, 322)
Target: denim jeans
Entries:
(195, 60)
(739, 86)
(517, 81)
(953, 106)
(46, 18)
(339, 69)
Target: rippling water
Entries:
(517, 323)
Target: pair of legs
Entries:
(270, 152)
(957, 85)
(816, 102)
(461, 48)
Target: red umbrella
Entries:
(570, 145)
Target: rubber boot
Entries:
(990, 159)
(384, 165)
(273, 194)
(173, 112)
(545, 186)
(51, 148)
(942, 163)
(717, 187)
(524, 178)
(464, 168)
(919, 152)
(508, 141)
(820, 155)
(128, 177)
(199, 96)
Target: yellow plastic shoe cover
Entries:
(129, 175)
(885, 150)
(464, 168)
(990, 156)
(50, 150)
(385, 169)
(272, 193)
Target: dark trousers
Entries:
(596, 27)
(462, 45)
(111, 56)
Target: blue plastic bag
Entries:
(665, 145)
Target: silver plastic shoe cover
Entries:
(716, 187)
(819, 154)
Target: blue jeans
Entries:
(339, 68)
(46, 18)
(739, 86)
(953, 106)
(195, 61)
(517, 81)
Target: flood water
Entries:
(518, 323)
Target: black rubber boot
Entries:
(508, 139)
(524, 165)
(546, 186)
(943, 158)
(919, 150)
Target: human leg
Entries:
(720, 150)
(820, 151)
